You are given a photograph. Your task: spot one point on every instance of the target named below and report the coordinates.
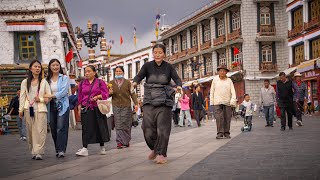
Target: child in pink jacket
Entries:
(185, 110)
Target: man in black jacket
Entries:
(198, 104)
(285, 100)
(14, 110)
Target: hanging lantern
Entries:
(89, 25)
(79, 44)
(103, 44)
(91, 55)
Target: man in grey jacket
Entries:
(267, 100)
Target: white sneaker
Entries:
(103, 150)
(301, 123)
(38, 157)
(82, 152)
(24, 138)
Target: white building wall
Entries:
(50, 39)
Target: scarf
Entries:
(119, 82)
(299, 83)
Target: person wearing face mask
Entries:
(122, 94)
(158, 102)
(59, 106)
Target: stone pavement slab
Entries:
(265, 153)
(186, 148)
(15, 157)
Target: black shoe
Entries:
(290, 128)
(282, 129)
(227, 136)
(219, 136)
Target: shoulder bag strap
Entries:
(90, 92)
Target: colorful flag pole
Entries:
(134, 36)
(157, 25)
(121, 40)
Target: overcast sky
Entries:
(120, 16)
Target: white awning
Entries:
(287, 71)
(201, 80)
(306, 66)
(257, 78)
(229, 74)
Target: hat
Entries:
(297, 74)
(222, 66)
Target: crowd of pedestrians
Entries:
(43, 101)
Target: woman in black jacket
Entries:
(198, 104)
(157, 102)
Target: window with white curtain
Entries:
(206, 33)
(222, 59)
(265, 15)
(236, 20)
(266, 53)
(221, 30)
(208, 65)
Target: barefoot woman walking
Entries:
(157, 102)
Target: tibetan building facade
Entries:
(249, 36)
(304, 44)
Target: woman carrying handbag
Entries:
(94, 123)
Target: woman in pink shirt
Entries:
(185, 109)
(94, 123)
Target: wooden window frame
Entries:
(221, 27)
(130, 71)
(236, 24)
(207, 33)
(315, 48)
(209, 65)
(265, 15)
(194, 39)
(266, 53)
(298, 58)
(27, 47)
(222, 59)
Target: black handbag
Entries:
(85, 109)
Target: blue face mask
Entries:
(118, 76)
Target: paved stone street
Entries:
(264, 153)
(15, 157)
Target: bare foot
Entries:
(161, 159)
(152, 155)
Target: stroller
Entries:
(247, 125)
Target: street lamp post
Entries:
(90, 40)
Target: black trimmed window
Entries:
(235, 22)
(315, 48)
(137, 67)
(220, 25)
(222, 58)
(206, 33)
(298, 54)
(194, 39)
(27, 46)
(129, 71)
(265, 15)
(184, 42)
(266, 53)
(208, 65)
